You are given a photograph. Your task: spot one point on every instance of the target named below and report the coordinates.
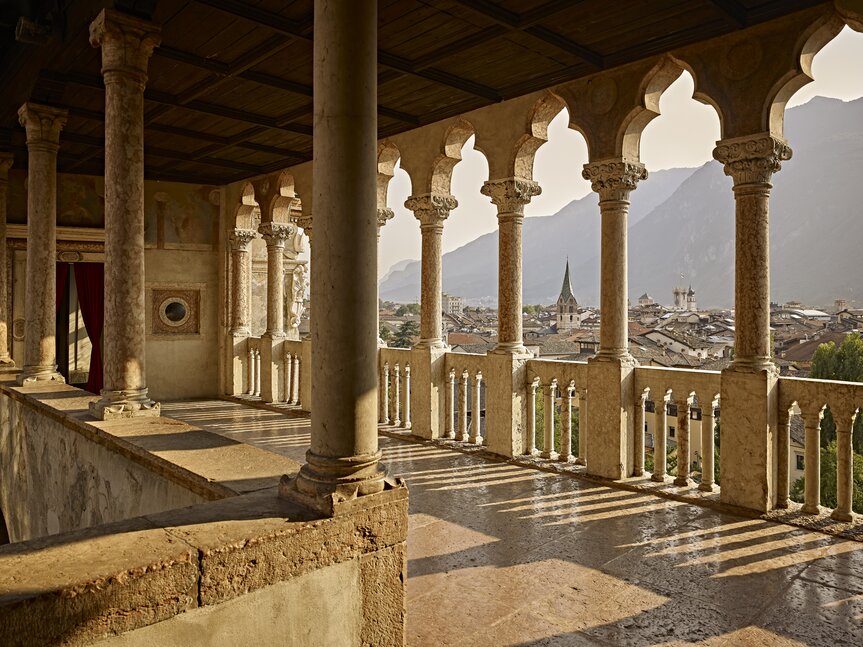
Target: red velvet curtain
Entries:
(90, 281)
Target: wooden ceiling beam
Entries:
(303, 31)
(733, 10)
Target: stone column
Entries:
(240, 242)
(384, 216)
(6, 160)
(510, 196)
(275, 235)
(43, 125)
(749, 386)
(751, 163)
(844, 467)
(127, 44)
(610, 373)
(613, 181)
(343, 460)
(431, 210)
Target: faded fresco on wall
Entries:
(180, 216)
(80, 200)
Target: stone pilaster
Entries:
(342, 462)
(611, 372)
(510, 197)
(43, 125)
(750, 385)
(241, 270)
(6, 160)
(431, 209)
(127, 44)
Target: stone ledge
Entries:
(80, 587)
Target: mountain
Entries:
(682, 222)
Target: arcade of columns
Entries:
(747, 77)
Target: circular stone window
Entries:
(174, 312)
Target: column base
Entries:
(516, 349)
(32, 374)
(133, 403)
(841, 516)
(332, 505)
(325, 483)
(434, 344)
(706, 487)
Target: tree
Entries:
(384, 333)
(405, 334)
(828, 480)
(843, 362)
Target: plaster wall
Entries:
(54, 479)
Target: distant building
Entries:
(453, 305)
(684, 299)
(840, 304)
(645, 300)
(567, 307)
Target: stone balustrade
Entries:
(289, 359)
(395, 387)
(465, 397)
(810, 399)
(563, 388)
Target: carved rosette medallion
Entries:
(752, 160)
(614, 180)
(431, 209)
(511, 195)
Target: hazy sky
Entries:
(683, 135)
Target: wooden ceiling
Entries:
(230, 89)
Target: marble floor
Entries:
(505, 555)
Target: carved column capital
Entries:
(6, 161)
(43, 125)
(752, 160)
(241, 238)
(127, 43)
(510, 195)
(276, 234)
(431, 209)
(385, 215)
(614, 179)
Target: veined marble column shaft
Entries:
(43, 125)
(127, 44)
(6, 160)
(510, 196)
(431, 210)
(613, 180)
(751, 163)
(276, 235)
(343, 460)
(240, 242)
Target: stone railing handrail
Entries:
(680, 381)
(842, 397)
(394, 382)
(562, 371)
(471, 362)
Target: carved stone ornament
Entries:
(305, 223)
(241, 238)
(510, 195)
(613, 180)
(385, 215)
(43, 125)
(431, 208)
(752, 160)
(298, 291)
(277, 234)
(127, 43)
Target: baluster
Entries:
(476, 412)
(462, 406)
(844, 466)
(385, 394)
(783, 451)
(684, 412)
(548, 439)
(531, 417)
(396, 402)
(812, 452)
(295, 393)
(708, 447)
(451, 406)
(638, 441)
(258, 373)
(566, 424)
(406, 399)
(581, 459)
(286, 360)
(660, 433)
(251, 390)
